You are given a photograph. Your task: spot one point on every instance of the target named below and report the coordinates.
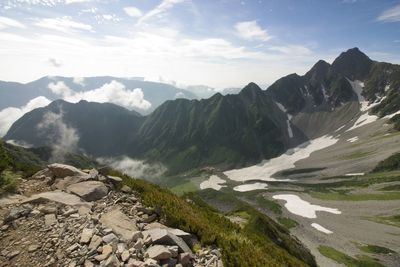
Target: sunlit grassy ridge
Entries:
(253, 245)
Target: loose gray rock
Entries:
(89, 190)
(50, 219)
(119, 223)
(16, 213)
(126, 189)
(112, 261)
(158, 252)
(86, 235)
(164, 237)
(110, 238)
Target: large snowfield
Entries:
(267, 168)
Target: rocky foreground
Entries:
(64, 216)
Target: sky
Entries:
(219, 43)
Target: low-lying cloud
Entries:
(63, 138)
(113, 92)
(134, 168)
(11, 114)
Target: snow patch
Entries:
(324, 93)
(353, 139)
(392, 115)
(264, 170)
(340, 128)
(214, 182)
(321, 228)
(289, 117)
(364, 119)
(250, 187)
(355, 174)
(358, 88)
(298, 206)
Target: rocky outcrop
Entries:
(89, 224)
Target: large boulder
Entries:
(59, 197)
(62, 170)
(119, 223)
(158, 252)
(165, 237)
(89, 190)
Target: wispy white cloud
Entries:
(76, 1)
(133, 11)
(113, 92)
(292, 50)
(63, 24)
(159, 10)
(391, 14)
(79, 81)
(10, 23)
(63, 138)
(9, 115)
(134, 168)
(49, 3)
(54, 62)
(250, 30)
(148, 53)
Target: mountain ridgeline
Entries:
(227, 131)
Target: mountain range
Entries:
(227, 131)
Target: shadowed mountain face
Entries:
(228, 131)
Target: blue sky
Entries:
(220, 43)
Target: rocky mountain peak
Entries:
(353, 64)
(251, 90)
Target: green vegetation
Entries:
(261, 242)
(269, 204)
(242, 214)
(390, 164)
(390, 220)
(287, 222)
(357, 155)
(341, 196)
(374, 249)
(348, 182)
(339, 257)
(394, 187)
(8, 182)
(14, 163)
(300, 171)
(396, 122)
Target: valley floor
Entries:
(357, 217)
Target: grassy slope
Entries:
(340, 257)
(250, 246)
(390, 164)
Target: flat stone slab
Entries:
(89, 191)
(119, 223)
(59, 197)
(63, 183)
(62, 170)
(11, 199)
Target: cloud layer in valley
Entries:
(113, 92)
(64, 139)
(134, 168)
(9, 115)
